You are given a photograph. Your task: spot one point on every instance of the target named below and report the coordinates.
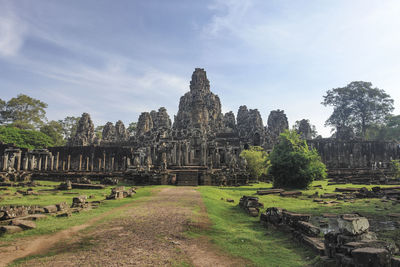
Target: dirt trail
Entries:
(41, 244)
(150, 233)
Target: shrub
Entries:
(293, 164)
(395, 167)
(257, 161)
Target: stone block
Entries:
(24, 224)
(353, 225)
(371, 257)
(9, 229)
(50, 209)
(308, 228)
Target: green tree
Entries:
(2, 110)
(24, 138)
(132, 128)
(24, 112)
(69, 125)
(55, 131)
(98, 131)
(358, 105)
(257, 161)
(293, 164)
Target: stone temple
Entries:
(201, 146)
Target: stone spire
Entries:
(108, 134)
(277, 124)
(84, 135)
(199, 108)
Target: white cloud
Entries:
(12, 34)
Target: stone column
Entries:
(104, 161)
(179, 155)
(19, 161)
(39, 166)
(92, 162)
(52, 163)
(87, 164)
(63, 165)
(99, 164)
(112, 164)
(57, 160)
(25, 163)
(173, 154)
(45, 162)
(69, 162)
(5, 162)
(80, 162)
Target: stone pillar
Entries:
(39, 166)
(104, 161)
(45, 162)
(179, 155)
(25, 163)
(63, 165)
(186, 154)
(5, 162)
(191, 158)
(174, 154)
(57, 160)
(87, 164)
(99, 164)
(52, 163)
(19, 161)
(112, 164)
(92, 162)
(68, 162)
(80, 162)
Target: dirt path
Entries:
(147, 234)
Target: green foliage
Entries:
(293, 164)
(395, 166)
(69, 126)
(257, 161)
(24, 111)
(54, 130)
(132, 128)
(389, 131)
(24, 138)
(358, 105)
(300, 125)
(98, 131)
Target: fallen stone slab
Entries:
(9, 229)
(290, 194)
(50, 209)
(370, 256)
(24, 224)
(394, 215)
(291, 218)
(308, 228)
(269, 192)
(329, 195)
(87, 186)
(33, 217)
(316, 244)
(347, 189)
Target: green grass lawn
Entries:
(53, 224)
(242, 235)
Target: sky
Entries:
(117, 58)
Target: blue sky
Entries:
(116, 59)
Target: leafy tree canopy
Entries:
(293, 164)
(358, 105)
(257, 161)
(23, 112)
(132, 128)
(55, 131)
(69, 125)
(24, 138)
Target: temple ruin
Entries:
(201, 146)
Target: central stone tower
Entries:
(199, 108)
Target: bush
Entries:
(257, 161)
(293, 164)
(395, 167)
(24, 138)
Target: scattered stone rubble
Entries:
(120, 192)
(352, 244)
(251, 205)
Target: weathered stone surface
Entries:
(24, 224)
(290, 193)
(109, 132)
(305, 130)
(50, 209)
(229, 121)
(62, 206)
(145, 124)
(121, 134)
(277, 124)
(291, 218)
(353, 225)
(199, 108)
(84, 135)
(161, 119)
(9, 229)
(308, 228)
(269, 192)
(250, 126)
(371, 257)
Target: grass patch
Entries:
(243, 236)
(53, 224)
